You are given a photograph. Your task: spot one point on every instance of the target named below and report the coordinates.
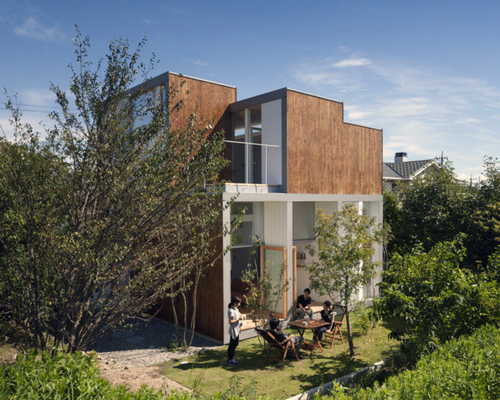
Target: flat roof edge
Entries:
(162, 78)
(200, 79)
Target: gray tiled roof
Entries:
(388, 172)
(404, 169)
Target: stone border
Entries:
(327, 387)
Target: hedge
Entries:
(465, 368)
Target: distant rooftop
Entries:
(404, 169)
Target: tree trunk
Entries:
(352, 352)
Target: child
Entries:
(234, 317)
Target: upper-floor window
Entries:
(256, 144)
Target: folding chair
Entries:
(283, 347)
(334, 332)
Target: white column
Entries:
(248, 147)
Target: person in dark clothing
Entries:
(280, 336)
(304, 304)
(234, 317)
(327, 315)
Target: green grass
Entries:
(209, 373)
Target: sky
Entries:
(426, 72)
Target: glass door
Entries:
(274, 264)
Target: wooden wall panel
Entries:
(209, 100)
(326, 155)
(210, 306)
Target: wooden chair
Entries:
(335, 332)
(283, 347)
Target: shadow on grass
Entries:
(250, 358)
(209, 372)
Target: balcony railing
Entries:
(248, 160)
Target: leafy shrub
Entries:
(63, 376)
(465, 368)
(435, 300)
(364, 320)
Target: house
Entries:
(292, 154)
(402, 170)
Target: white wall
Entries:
(271, 134)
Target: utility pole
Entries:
(441, 159)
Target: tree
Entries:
(429, 209)
(484, 233)
(433, 299)
(345, 245)
(438, 207)
(89, 215)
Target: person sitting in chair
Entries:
(280, 336)
(327, 315)
(304, 304)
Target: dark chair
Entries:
(283, 347)
(335, 333)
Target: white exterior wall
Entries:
(278, 231)
(271, 134)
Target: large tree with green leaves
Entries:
(437, 207)
(434, 300)
(343, 257)
(90, 212)
(429, 209)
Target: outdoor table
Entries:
(311, 324)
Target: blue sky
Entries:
(426, 72)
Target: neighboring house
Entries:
(402, 170)
(292, 154)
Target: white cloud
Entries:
(31, 28)
(201, 63)
(423, 110)
(352, 62)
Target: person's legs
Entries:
(300, 313)
(297, 342)
(233, 343)
(320, 332)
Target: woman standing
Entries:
(234, 317)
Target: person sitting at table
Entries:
(280, 336)
(326, 316)
(304, 304)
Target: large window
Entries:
(256, 144)
(303, 220)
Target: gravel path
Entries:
(144, 344)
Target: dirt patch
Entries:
(135, 377)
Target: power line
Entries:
(48, 108)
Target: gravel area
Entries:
(144, 344)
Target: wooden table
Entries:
(312, 324)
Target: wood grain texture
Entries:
(209, 100)
(209, 302)
(326, 155)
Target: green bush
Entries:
(434, 300)
(465, 368)
(64, 376)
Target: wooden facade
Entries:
(327, 155)
(210, 102)
(210, 307)
(320, 154)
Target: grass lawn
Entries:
(209, 373)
